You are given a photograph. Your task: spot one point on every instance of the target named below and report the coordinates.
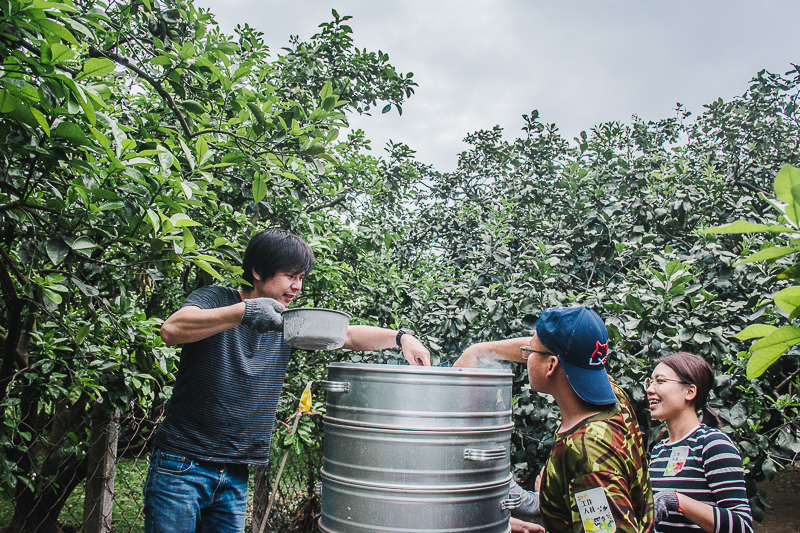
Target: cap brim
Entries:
(592, 386)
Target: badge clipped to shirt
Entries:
(677, 460)
(594, 510)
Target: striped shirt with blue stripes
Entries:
(712, 474)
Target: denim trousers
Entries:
(184, 495)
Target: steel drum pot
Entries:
(313, 328)
(412, 449)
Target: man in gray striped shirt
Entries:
(219, 419)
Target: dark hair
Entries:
(695, 371)
(276, 250)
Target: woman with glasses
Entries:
(696, 472)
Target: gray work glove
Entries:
(263, 314)
(665, 501)
(528, 506)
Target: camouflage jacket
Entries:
(604, 451)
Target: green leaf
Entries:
(96, 66)
(181, 220)
(82, 333)
(672, 267)
(155, 221)
(68, 130)
(206, 267)
(257, 113)
(193, 106)
(234, 158)
(755, 331)
(55, 28)
(82, 244)
(88, 290)
(787, 178)
(386, 108)
(40, 118)
(54, 296)
(788, 299)
(329, 103)
(769, 469)
(8, 102)
(60, 53)
(766, 254)
(634, 304)
(327, 90)
(56, 250)
(188, 240)
(259, 190)
(740, 226)
(768, 349)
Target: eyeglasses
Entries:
(527, 350)
(660, 381)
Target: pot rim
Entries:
(448, 370)
(316, 309)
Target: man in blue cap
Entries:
(596, 477)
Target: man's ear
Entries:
(256, 276)
(552, 366)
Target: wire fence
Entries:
(66, 476)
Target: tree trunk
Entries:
(98, 500)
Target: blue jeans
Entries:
(185, 495)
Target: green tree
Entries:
(613, 220)
(141, 147)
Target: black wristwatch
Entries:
(400, 334)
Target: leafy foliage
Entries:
(614, 221)
(141, 146)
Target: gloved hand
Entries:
(529, 505)
(664, 502)
(263, 314)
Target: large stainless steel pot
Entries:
(412, 449)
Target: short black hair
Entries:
(276, 250)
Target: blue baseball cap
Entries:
(578, 336)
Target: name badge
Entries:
(677, 460)
(595, 513)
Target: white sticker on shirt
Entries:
(677, 460)
(595, 512)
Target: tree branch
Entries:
(125, 62)
(338, 201)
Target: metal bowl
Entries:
(313, 328)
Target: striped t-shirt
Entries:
(226, 391)
(712, 474)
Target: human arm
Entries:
(202, 316)
(371, 338)
(529, 501)
(725, 477)
(518, 526)
(191, 323)
(507, 350)
(699, 513)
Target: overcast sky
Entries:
(580, 63)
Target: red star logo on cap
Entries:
(600, 354)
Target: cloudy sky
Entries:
(580, 63)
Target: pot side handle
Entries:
(335, 386)
(471, 454)
(512, 502)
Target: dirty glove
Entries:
(529, 505)
(665, 501)
(263, 314)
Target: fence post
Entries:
(260, 496)
(98, 500)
